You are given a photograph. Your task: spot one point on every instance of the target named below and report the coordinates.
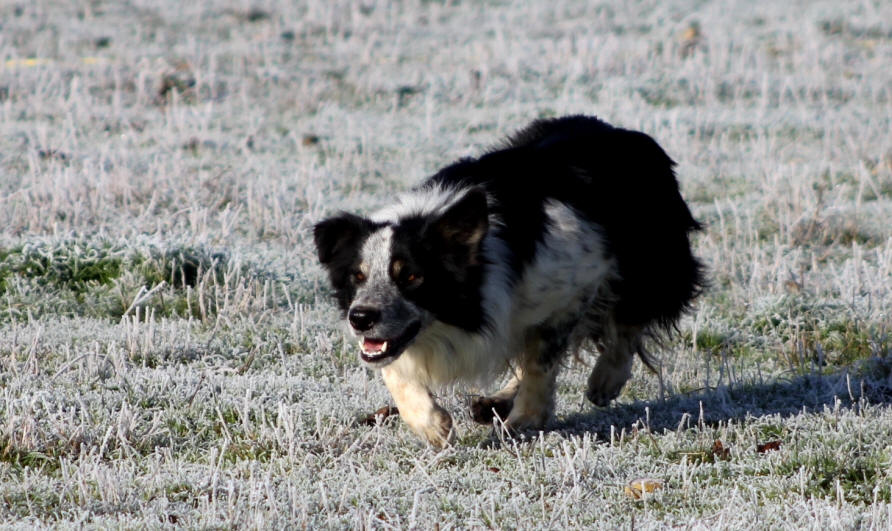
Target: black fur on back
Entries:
(619, 179)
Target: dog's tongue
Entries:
(374, 345)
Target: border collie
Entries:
(571, 231)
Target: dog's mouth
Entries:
(380, 351)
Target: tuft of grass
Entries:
(181, 267)
(861, 480)
(44, 462)
(826, 334)
(42, 503)
(80, 277)
(75, 265)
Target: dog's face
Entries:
(394, 278)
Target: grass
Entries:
(169, 355)
(78, 277)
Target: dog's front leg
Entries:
(534, 401)
(418, 408)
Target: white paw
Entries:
(437, 429)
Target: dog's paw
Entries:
(438, 430)
(519, 421)
(604, 386)
(608, 377)
(484, 409)
(602, 398)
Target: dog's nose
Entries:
(363, 318)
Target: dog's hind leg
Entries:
(614, 366)
(418, 408)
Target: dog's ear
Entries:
(466, 221)
(338, 234)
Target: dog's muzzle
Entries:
(380, 351)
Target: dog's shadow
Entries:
(870, 383)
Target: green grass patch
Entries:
(711, 340)
(42, 503)
(861, 480)
(99, 279)
(45, 462)
(826, 333)
(250, 450)
(77, 266)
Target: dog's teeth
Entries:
(373, 348)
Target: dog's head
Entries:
(393, 278)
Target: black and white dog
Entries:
(573, 230)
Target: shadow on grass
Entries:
(871, 381)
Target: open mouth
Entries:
(377, 350)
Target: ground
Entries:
(169, 353)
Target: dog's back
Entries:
(619, 180)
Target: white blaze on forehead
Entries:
(376, 253)
(427, 201)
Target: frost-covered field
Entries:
(168, 352)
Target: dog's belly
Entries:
(569, 268)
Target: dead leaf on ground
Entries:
(719, 451)
(637, 487)
(768, 447)
(180, 80)
(383, 413)
(691, 38)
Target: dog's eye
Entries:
(412, 278)
(359, 276)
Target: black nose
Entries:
(363, 318)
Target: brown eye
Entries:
(410, 278)
(359, 276)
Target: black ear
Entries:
(466, 221)
(337, 234)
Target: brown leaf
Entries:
(494, 469)
(309, 139)
(383, 413)
(637, 487)
(691, 39)
(719, 451)
(180, 80)
(768, 447)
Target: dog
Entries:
(571, 231)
